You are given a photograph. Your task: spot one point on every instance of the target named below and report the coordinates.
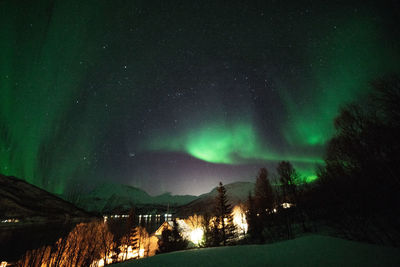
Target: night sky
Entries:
(179, 95)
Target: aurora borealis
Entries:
(176, 96)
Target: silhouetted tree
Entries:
(264, 201)
(208, 230)
(263, 193)
(171, 240)
(216, 234)
(255, 227)
(287, 178)
(360, 182)
(224, 218)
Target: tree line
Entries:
(89, 243)
(357, 193)
(275, 210)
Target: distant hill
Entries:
(28, 203)
(176, 200)
(108, 197)
(237, 192)
(21, 200)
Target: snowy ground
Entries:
(310, 250)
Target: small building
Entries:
(167, 225)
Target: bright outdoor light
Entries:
(196, 235)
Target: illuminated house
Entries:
(167, 225)
(195, 235)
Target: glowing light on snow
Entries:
(286, 205)
(239, 219)
(196, 235)
(12, 220)
(100, 263)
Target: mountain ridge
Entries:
(237, 192)
(109, 197)
(21, 200)
(26, 202)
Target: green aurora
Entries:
(86, 85)
(43, 139)
(343, 77)
(227, 144)
(353, 56)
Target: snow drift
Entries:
(310, 250)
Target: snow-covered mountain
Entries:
(108, 197)
(236, 192)
(175, 200)
(19, 199)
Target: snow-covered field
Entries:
(313, 250)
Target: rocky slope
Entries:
(24, 202)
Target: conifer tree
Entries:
(208, 230)
(254, 224)
(288, 178)
(223, 212)
(263, 195)
(171, 240)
